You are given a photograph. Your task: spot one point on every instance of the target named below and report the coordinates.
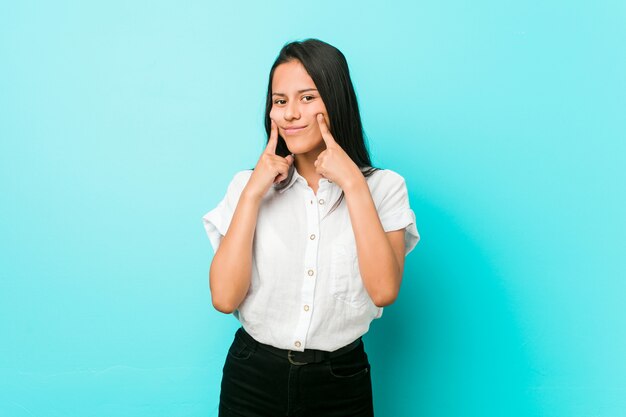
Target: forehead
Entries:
(291, 76)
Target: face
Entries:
(295, 104)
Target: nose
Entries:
(292, 111)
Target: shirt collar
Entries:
(297, 177)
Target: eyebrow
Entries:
(299, 92)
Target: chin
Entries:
(296, 150)
(297, 146)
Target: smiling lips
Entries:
(293, 129)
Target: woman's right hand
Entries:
(270, 168)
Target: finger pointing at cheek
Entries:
(273, 140)
(328, 138)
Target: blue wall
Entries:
(121, 125)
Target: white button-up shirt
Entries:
(306, 291)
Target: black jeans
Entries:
(257, 383)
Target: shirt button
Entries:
(321, 201)
(306, 307)
(312, 237)
(298, 344)
(310, 272)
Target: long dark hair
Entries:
(328, 69)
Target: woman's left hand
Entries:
(334, 163)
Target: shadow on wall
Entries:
(451, 345)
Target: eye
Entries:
(311, 97)
(277, 101)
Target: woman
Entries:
(306, 279)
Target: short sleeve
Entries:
(394, 209)
(217, 221)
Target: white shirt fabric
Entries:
(306, 290)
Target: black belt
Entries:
(296, 357)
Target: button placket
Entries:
(310, 268)
(324, 199)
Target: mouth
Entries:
(293, 129)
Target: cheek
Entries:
(318, 108)
(316, 133)
(274, 113)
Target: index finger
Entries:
(272, 142)
(328, 138)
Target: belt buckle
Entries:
(291, 361)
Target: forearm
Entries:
(379, 268)
(229, 275)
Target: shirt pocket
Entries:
(346, 284)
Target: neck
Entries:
(304, 163)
